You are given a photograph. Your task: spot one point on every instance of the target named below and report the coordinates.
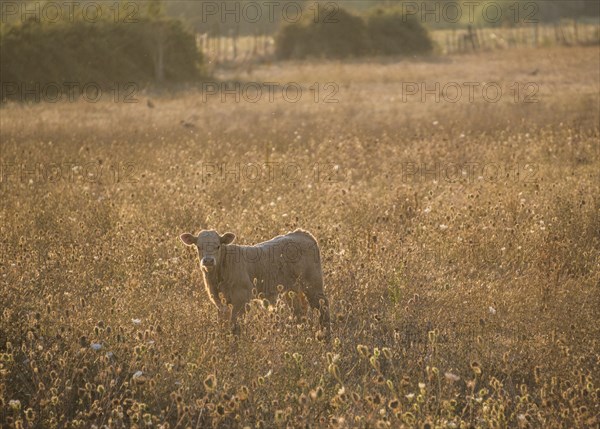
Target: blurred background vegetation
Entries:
(192, 12)
(166, 43)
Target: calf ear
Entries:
(227, 238)
(188, 239)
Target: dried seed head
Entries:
(210, 382)
(363, 351)
(29, 414)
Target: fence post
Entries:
(266, 44)
(453, 40)
(472, 37)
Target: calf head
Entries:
(210, 247)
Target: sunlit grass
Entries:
(460, 296)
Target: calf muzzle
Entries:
(208, 262)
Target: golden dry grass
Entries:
(465, 296)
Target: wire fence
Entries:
(234, 50)
(566, 33)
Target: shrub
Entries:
(351, 36)
(396, 34)
(346, 37)
(105, 53)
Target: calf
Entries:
(231, 271)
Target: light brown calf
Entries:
(231, 271)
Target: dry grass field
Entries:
(460, 244)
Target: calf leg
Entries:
(239, 298)
(318, 300)
(235, 313)
(298, 304)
